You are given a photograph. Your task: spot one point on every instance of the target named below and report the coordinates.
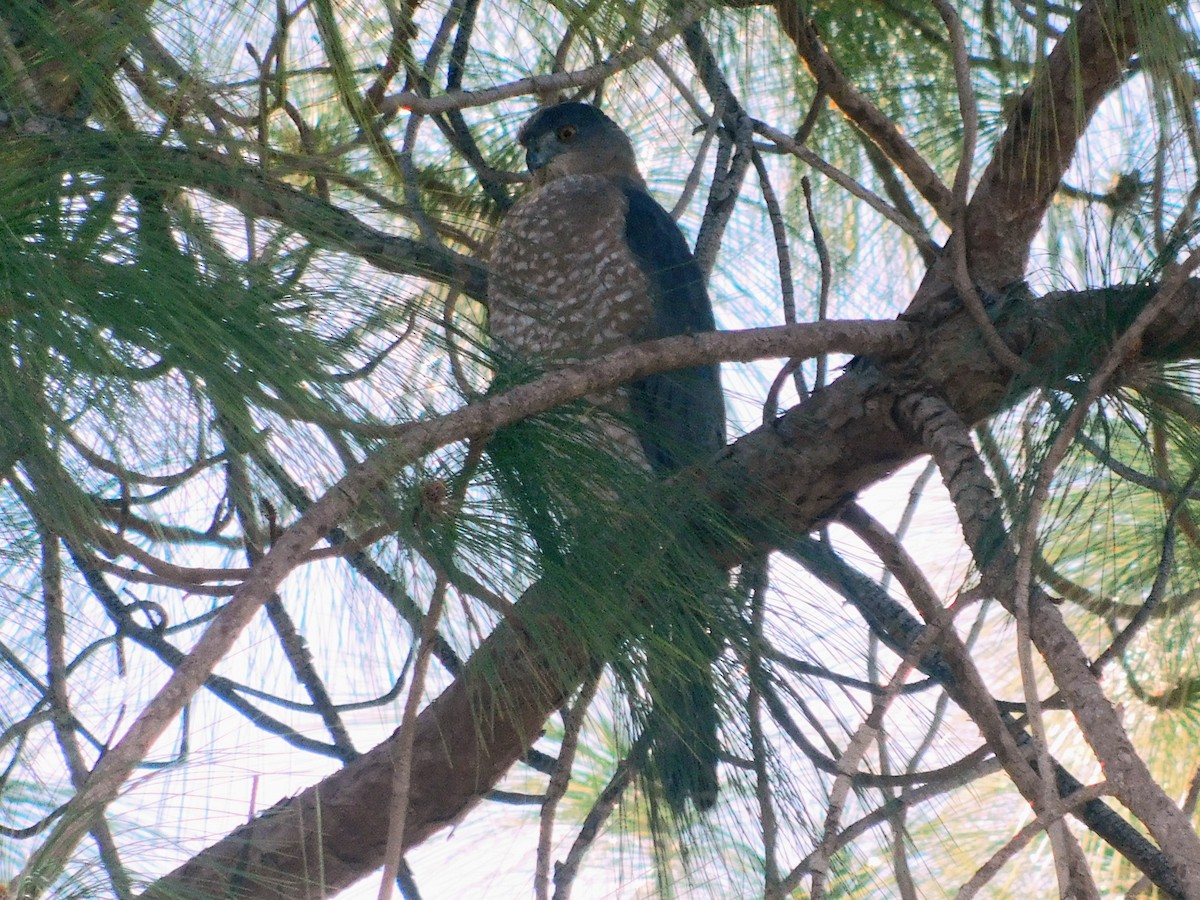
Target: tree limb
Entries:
(782, 478)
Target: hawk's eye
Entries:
(567, 132)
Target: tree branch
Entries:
(778, 480)
(1039, 142)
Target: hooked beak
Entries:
(536, 158)
(539, 152)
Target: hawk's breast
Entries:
(564, 284)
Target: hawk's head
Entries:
(575, 139)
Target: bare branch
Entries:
(639, 49)
(1041, 822)
(861, 111)
(970, 489)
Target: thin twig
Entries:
(909, 226)
(402, 766)
(1162, 577)
(900, 864)
(61, 716)
(712, 124)
(552, 83)
(779, 233)
(733, 156)
(822, 252)
(561, 780)
(1041, 822)
(756, 571)
(634, 762)
(853, 754)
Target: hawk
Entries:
(586, 263)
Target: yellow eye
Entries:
(567, 132)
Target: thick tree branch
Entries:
(779, 480)
(409, 442)
(1038, 144)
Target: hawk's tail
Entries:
(684, 748)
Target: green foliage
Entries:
(233, 267)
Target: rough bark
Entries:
(1039, 142)
(779, 480)
(465, 741)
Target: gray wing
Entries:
(679, 416)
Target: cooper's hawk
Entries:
(586, 263)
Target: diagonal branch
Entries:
(410, 442)
(973, 495)
(776, 480)
(135, 159)
(869, 118)
(1043, 131)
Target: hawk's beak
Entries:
(539, 152)
(535, 158)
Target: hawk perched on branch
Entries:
(586, 263)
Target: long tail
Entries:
(685, 748)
